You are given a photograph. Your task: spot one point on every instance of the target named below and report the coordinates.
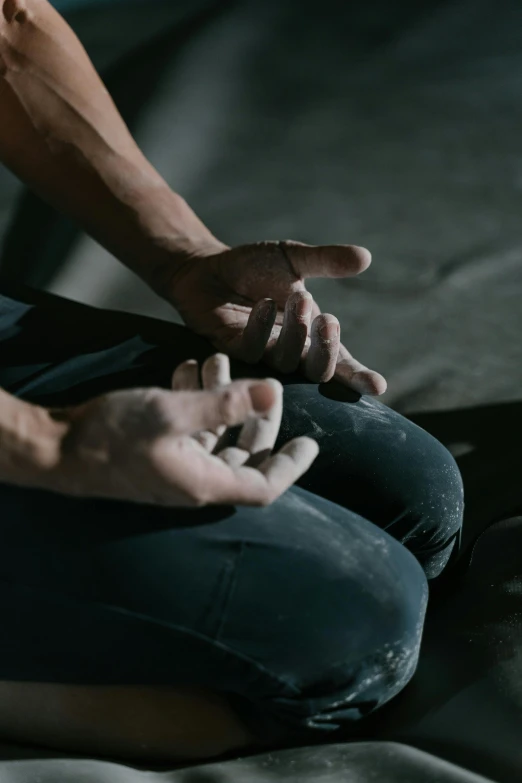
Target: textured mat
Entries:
(384, 761)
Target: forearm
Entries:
(30, 442)
(61, 133)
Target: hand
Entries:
(252, 303)
(163, 447)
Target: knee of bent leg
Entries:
(398, 596)
(360, 643)
(442, 513)
(380, 658)
(344, 603)
(394, 659)
(430, 516)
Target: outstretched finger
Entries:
(267, 482)
(258, 331)
(186, 376)
(286, 354)
(248, 486)
(191, 412)
(259, 433)
(321, 357)
(215, 374)
(325, 260)
(282, 470)
(361, 379)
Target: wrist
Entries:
(31, 443)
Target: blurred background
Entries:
(393, 125)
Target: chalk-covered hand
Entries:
(251, 302)
(163, 447)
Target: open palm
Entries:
(166, 447)
(251, 302)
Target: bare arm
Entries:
(30, 442)
(138, 445)
(61, 133)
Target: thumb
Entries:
(230, 406)
(326, 260)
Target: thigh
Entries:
(289, 609)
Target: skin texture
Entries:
(30, 442)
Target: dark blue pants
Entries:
(308, 614)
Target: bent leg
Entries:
(125, 595)
(302, 616)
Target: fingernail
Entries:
(327, 330)
(262, 396)
(266, 309)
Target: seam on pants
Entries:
(231, 590)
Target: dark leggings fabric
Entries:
(307, 614)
